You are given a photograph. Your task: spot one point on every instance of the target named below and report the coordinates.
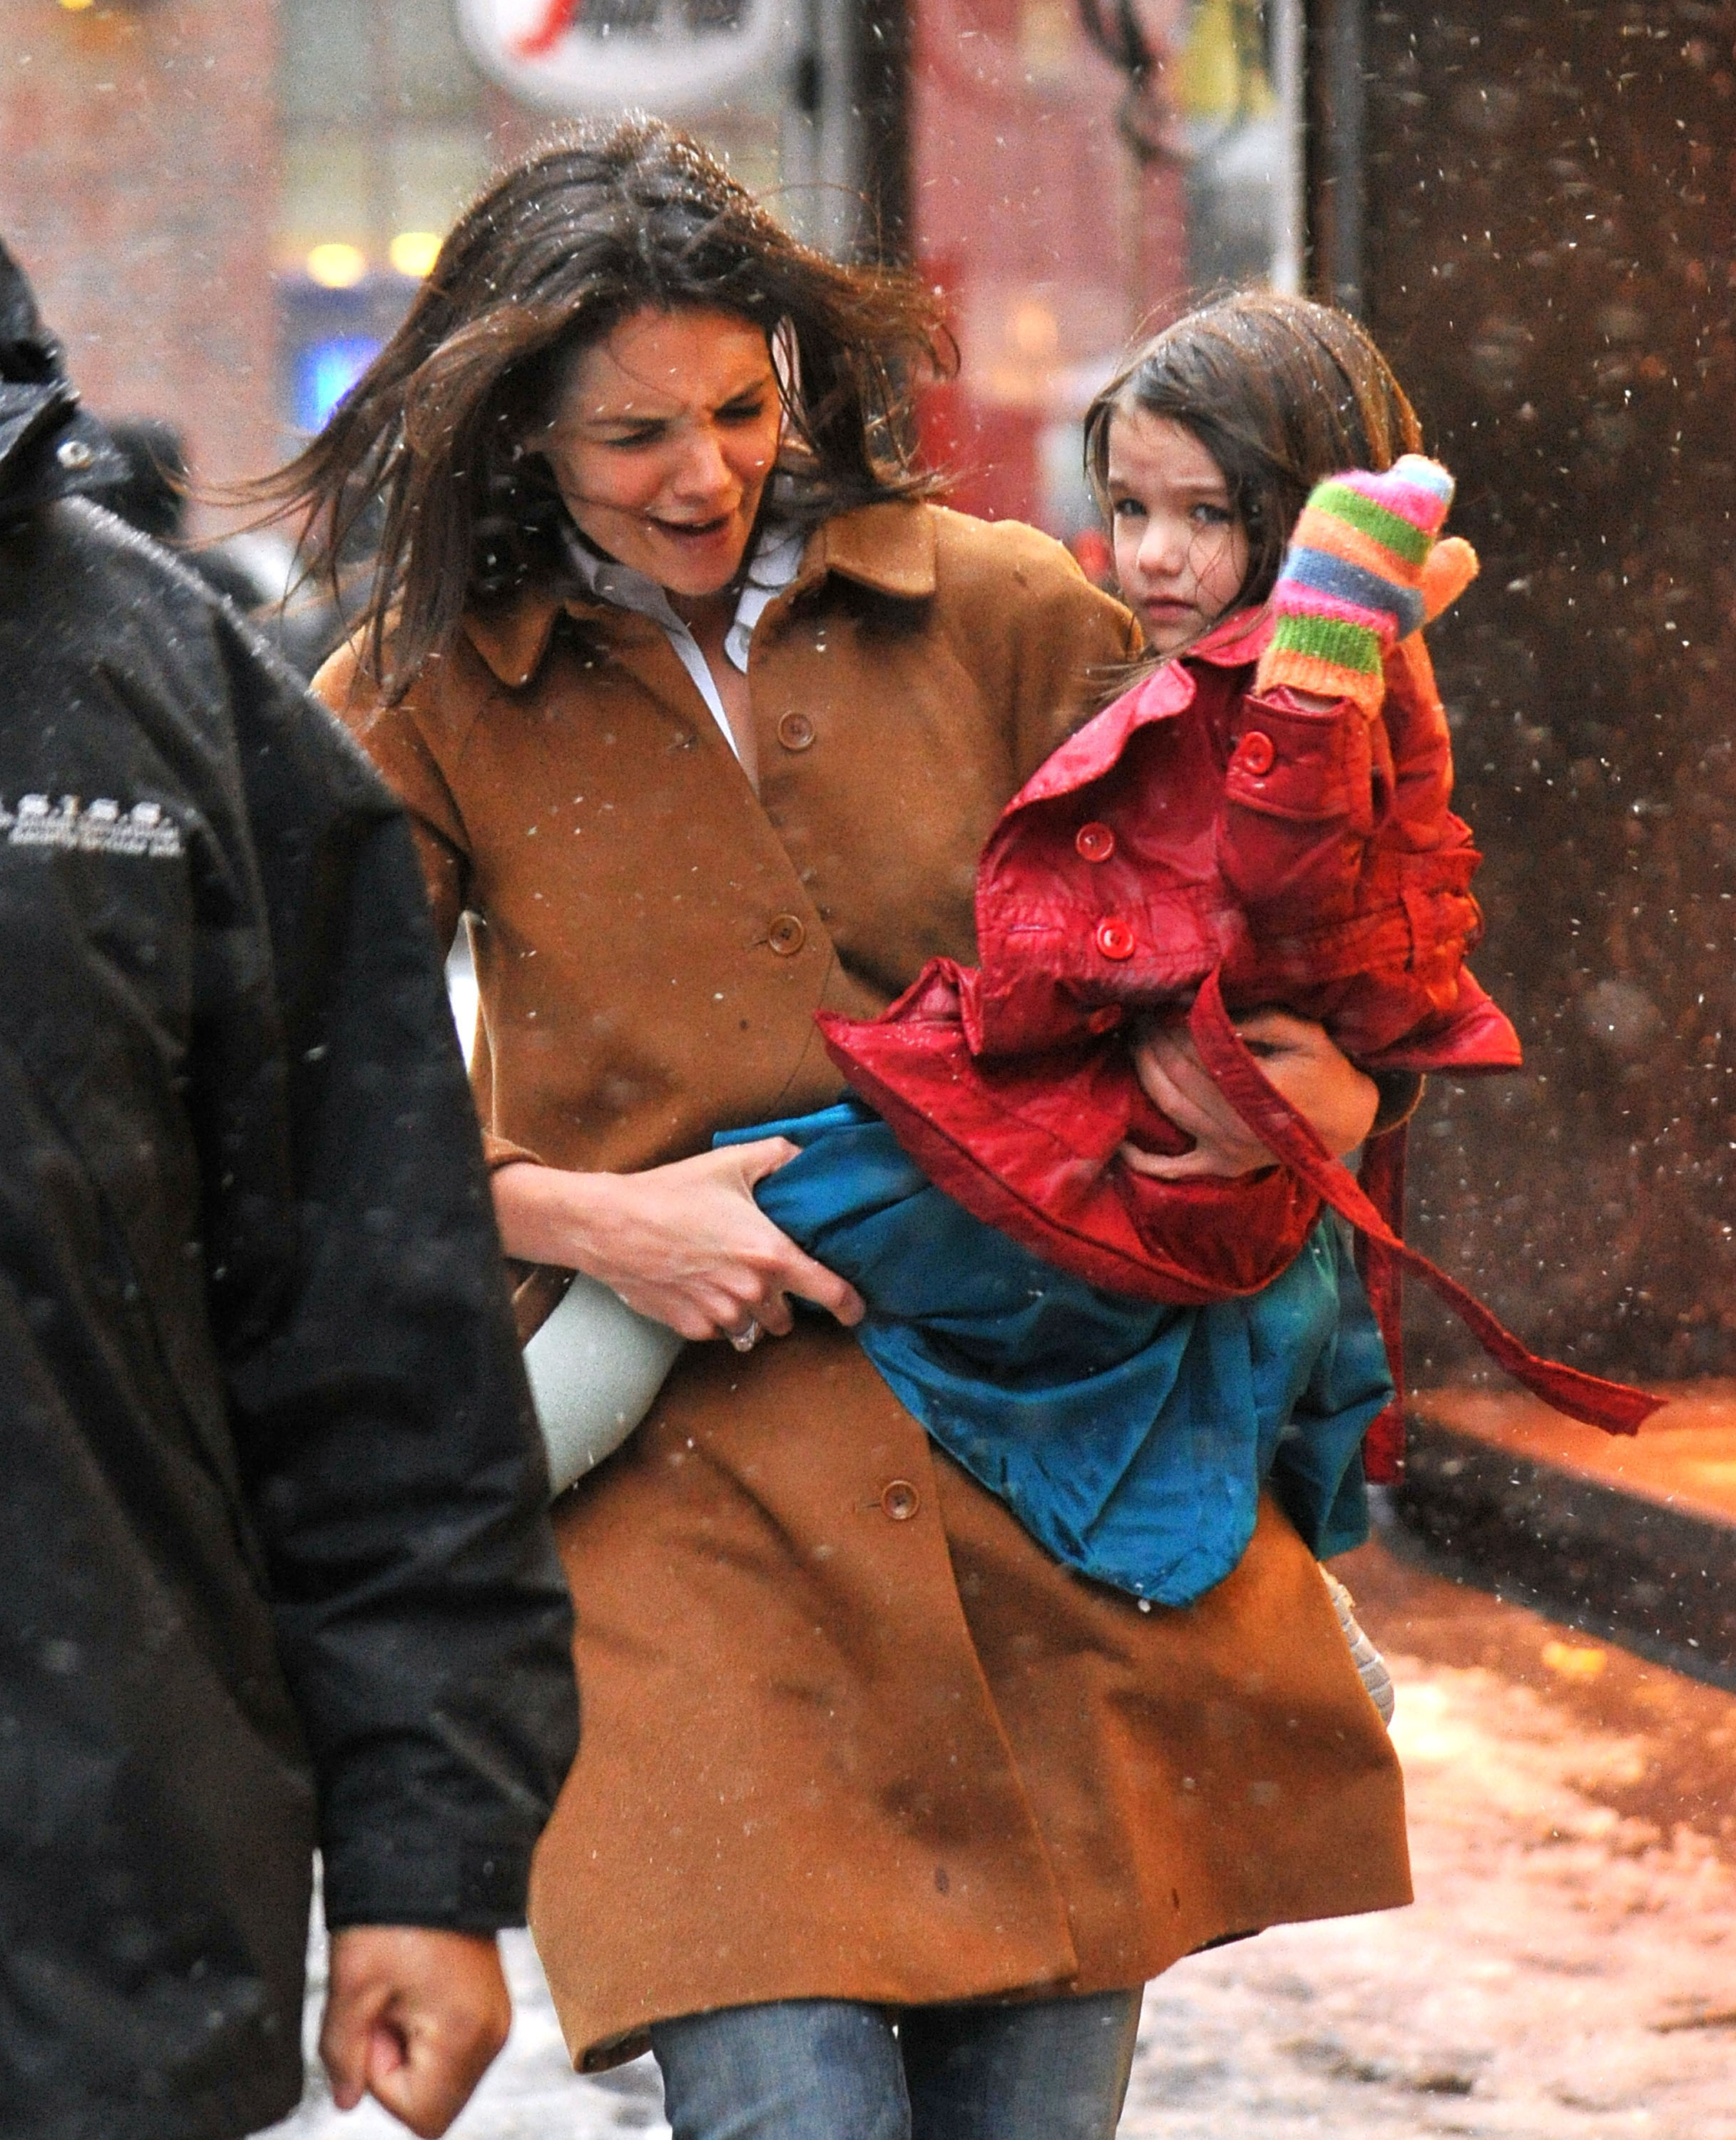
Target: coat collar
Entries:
(1234, 643)
(1235, 640)
(889, 547)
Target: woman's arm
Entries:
(1321, 1082)
(683, 1243)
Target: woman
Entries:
(702, 711)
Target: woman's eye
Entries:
(1127, 508)
(1213, 516)
(743, 412)
(641, 435)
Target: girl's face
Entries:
(662, 441)
(1181, 550)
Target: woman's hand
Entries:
(683, 1243)
(1325, 1087)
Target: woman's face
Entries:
(1181, 550)
(662, 441)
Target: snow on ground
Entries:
(1568, 1973)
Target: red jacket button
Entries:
(1255, 753)
(1114, 939)
(1096, 842)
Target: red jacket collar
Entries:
(1235, 642)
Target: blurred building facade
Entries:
(138, 160)
(226, 204)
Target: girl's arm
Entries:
(683, 1243)
(1315, 762)
(1321, 1082)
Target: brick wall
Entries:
(137, 179)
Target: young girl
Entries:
(1120, 1325)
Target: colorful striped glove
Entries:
(1363, 571)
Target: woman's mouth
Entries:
(697, 532)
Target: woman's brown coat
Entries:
(848, 1731)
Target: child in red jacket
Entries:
(1127, 1347)
(1261, 821)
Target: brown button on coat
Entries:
(848, 1732)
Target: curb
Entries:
(1658, 1579)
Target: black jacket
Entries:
(274, 1571)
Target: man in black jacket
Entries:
(274, 1572)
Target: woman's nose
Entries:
(703, 471)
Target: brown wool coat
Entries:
(848, 1732)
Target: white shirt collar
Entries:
(776, 559)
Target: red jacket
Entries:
(1308, 860)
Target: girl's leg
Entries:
(1051, 2069)
(797, 2069)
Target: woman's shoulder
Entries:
(995, 550)
(502, 644)
(918, 547)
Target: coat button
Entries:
(795, 731)
(1096, 842)
(1114, 939)
(900, 1500)
(786, 935)
(1255, 753)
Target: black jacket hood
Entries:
(49, 447)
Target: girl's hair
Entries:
(1280, 392)
(429, 447)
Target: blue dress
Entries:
(1130, 1439)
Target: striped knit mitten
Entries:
(1357, 579)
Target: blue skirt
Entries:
(1130, 1439)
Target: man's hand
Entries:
(414, 2018)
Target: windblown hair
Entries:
(1280, 392)
(431, 442)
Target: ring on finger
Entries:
(744, 1340)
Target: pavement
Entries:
(1633, 1536)
(1567, 1972)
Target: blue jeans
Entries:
(834, 2070)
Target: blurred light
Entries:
(338, 266)
(1036, 331)
(325, 372)
(77, 7)
(1574, 1660)
(413, 253)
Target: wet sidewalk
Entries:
(1633, 1534)
(1568, 1971)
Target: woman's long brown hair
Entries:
(1280, 392)
(429, 442)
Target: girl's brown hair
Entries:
(1280, 392)
(431, 440)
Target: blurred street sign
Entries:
(579, 56)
